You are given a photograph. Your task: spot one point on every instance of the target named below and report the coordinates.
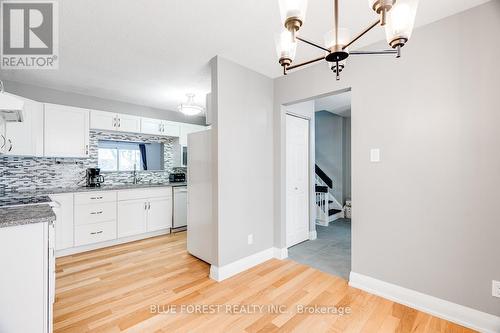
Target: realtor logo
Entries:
(29, 33)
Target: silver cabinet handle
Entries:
(149, 205)
(145, 206)
(86, 149)
(4, 141)
(115, 122)
(95, 198)
(96, 232)
(119, 122)
(97, 213)
(10, 142)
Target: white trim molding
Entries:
(462, 315)
(224, 272)
(280, 253)
(313, 235)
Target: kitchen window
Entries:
(124, 156)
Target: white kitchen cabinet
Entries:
(102, 120)
(132, 215)
(110, 121)
(66, 131)
(151, 126)
(3, 139)
(26, 138)
(95, 233)
(187, 129)
(159, 214)
(160, 127)
(26, 279)
(64, 225)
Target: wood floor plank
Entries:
(114, 290)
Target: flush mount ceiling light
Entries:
(397, 16)
(190, 108)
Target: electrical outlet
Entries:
(250, 239)
(375, 155)
(495, 288)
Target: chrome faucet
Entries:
(136, 180)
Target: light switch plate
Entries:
(250, 239)
(495, 288)
(375, 155)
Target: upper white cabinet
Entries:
(189, 128)
(159, 127)
(25, 138)
(114, 121)
(66, 131)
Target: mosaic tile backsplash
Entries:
(40, 173)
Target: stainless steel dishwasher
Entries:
(179, 222)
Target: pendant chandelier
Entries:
(396, 16)
(190, 108)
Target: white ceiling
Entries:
(154, 52)
(339, 104)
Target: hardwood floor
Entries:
(130, 288)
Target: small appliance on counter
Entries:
(177, 177)
(94, 178)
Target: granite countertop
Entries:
(27, 214)
(16, 199)
(115, 187)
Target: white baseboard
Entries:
(313, 235)
(322, 223)
(280, 253)
(90, 247)
(462, 315)
(224, 272)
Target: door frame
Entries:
(310, 195)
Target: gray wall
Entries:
(244, 151)
(426, 216)
(330, 154)
(48, 95)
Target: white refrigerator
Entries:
(201, 227)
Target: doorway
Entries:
(297, 180)
(330, 165)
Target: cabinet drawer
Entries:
(96, 212)
(163, 192)
(94, 197)
(95, 233)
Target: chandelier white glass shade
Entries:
(396, 16)
(293, 13)
(190, 108)
(400, 21)
(286, 47)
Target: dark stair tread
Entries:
(321, 189)
(333, 212)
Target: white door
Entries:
(126, 123)
(297, 180)
(151, 126)
(159, 214)
(102, 120)
(131, 217)
(64, 220)
(66, 131)
(26, 138)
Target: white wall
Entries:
(426, 216)
(244, 128)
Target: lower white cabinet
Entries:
(131, 217)
(26, 278)
(95, 233)
(64, 210)
(159, 214)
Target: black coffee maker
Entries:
(94, 179)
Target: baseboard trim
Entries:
(224, 272)
(280, 253)
(462, 315)
(113, 242)
(313, 235)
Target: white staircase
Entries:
(328, 209)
